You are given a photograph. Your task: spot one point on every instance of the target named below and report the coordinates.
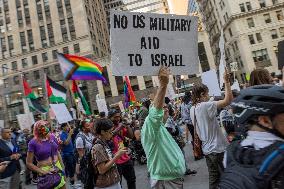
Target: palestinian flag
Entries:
(32, 99)
(55, 92)
(81, 99)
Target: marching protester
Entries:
(67, 151)
(257, 161)
(84, 144)
(124, 163)
(103, 159)
(165, 160)
(204, 116)
(9, 158)
(144, 111)
(49, 167)
(260, 76)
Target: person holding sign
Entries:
(165, 159)
(204, 115)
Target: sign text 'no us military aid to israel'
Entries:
(143, 42)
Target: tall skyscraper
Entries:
(252, 30)
(31, 32)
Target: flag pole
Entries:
(47, 99)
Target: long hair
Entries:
(197, 92)
(260, 77)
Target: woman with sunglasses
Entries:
(49, 163)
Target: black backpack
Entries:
(248, 168)
(87, 174)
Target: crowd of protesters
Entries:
(241, 137)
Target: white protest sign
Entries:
(170, 92)
(142, 42)
(61, 113)
(210, 79)
(236, 86)
(234, 66)
(26, 120)
(121, 107)
(1, 124)
(102, 106)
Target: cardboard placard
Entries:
(61, 113)
(234, 66)
(102, 106)
(142, 42)
(210, 79)
(26, 120)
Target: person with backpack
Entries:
(204, 116)
(67, 152)
(121, 131)
(84, 144)
(106, 175)
(257, 162)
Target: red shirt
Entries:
(118, 141)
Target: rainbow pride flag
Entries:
(79, 68)
(129, 96)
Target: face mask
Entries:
(43, 130)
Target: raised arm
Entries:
(228, 92)
(161, 93)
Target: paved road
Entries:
(199, 181)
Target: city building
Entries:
(31, 32)
(252, 30)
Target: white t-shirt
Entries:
(88, 141)
(208, 129)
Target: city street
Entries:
(199, 181)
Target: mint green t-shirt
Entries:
(165, 159)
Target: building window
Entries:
(34, 60)
(63, 30)
(36, 75)
(258, 37)
(65, 50)
(43, 36)
(71, 28)
(23, 41)
(50, 34)
(262, 3)
(30, 40)
(54, 54)
(274, 2)
(46, 71)
(236, 45)
(250, 22)
(260, 55)
(16, 80)
(281, 31)
(4, 69)
(279, 15)
(27, 15)
(57, 69)
(76, 48)
(6, 83)
(251, 39)
(44, 57)
(230, 32)
(248, 6)
(14, 65)
(242, 7)
(24, 63)
(10, 42)
(39, 12)
(274, 34)
(267, 18)
(20, 18)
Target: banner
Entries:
(210, 79)
(26, 121)
(142, 42)
(102, 107)
(61, 113)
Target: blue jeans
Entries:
(69, 161)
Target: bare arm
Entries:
(30, 165)
(161, 93)
(60, 160)
(105, 166)
(81, 152)
(228, 92)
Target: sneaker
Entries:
(34, 181)
(190, 172)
